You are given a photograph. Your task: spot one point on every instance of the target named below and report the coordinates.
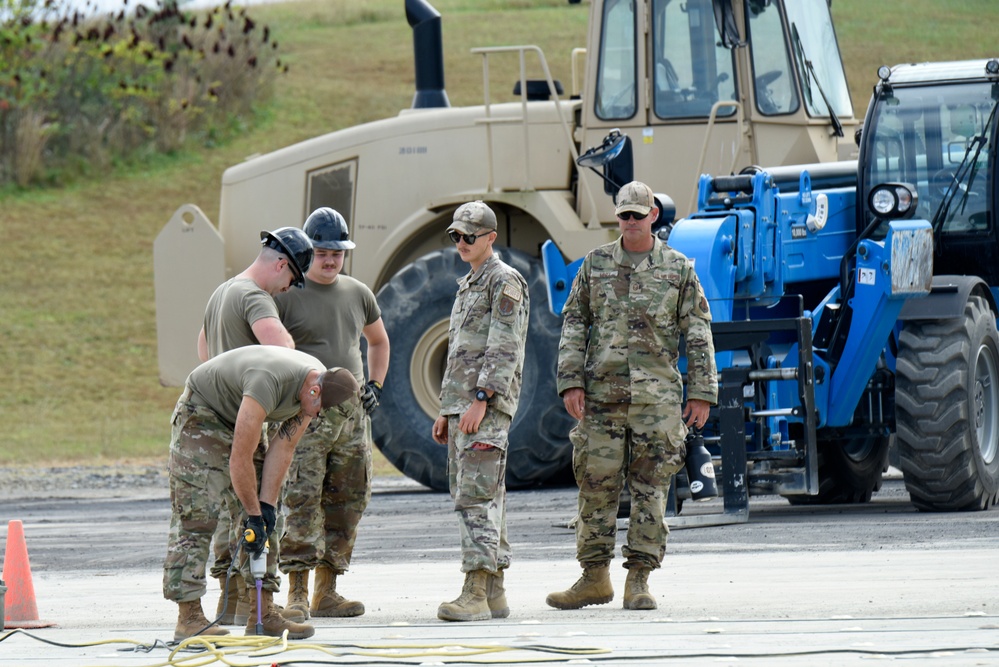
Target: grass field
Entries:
(77, 320)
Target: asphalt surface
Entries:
(793, 585)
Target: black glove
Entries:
(370, 395)
(269, 514)
(255, 535)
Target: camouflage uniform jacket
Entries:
(486, 338)
(622, 325)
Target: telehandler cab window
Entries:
(617, 88)
(693, 69)
(938, 138)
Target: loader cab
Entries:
(712, 86)
(933, 127)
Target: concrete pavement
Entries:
(794, 608)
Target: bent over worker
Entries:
(215, 457)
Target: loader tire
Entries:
(416, 307)
(947, 410)
(850, 470)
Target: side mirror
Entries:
(615, 158)
(598, 156)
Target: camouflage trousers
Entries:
(229, 531)
(224, 540)
(613, 445)
(200, 484)
(477, 481)
(328, 489)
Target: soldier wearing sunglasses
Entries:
(617, 374)
(479, 396)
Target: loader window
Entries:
(821, 50)
(617, 89)
(693, 70)
(773, 78)
(333, 186)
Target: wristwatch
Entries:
(481, 395)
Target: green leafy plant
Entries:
(79, 91)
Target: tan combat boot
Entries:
(191, 621)
(243, 601)
(298, 593)
(636, 589)
(291, 614)
(471, 605)
(326, 602)
(594, 587)
(496, 595)
(228, 601)
(273, 622)
(243, 608)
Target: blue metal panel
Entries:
(875, 309)
(558, 276)
(709, 243)
(815, 255)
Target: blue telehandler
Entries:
(855, 302)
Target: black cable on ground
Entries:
(226, 647)
(138, 645)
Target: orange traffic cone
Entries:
(20, 610)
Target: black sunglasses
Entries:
(632, 215)
(467, 238)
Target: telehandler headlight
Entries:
(893, 200)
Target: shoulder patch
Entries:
(513, 291)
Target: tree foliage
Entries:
(81, 90)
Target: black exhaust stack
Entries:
(428, 51)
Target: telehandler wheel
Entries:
(416, 306)
(850, 470)
(947, 410)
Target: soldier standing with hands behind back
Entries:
(479, 396)
(618, 375)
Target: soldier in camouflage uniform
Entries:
(241, 311)
(215, 457)
(329, 483)
(479, 396)
(617, 374)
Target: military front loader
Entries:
(854, 302)
(691, 87)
